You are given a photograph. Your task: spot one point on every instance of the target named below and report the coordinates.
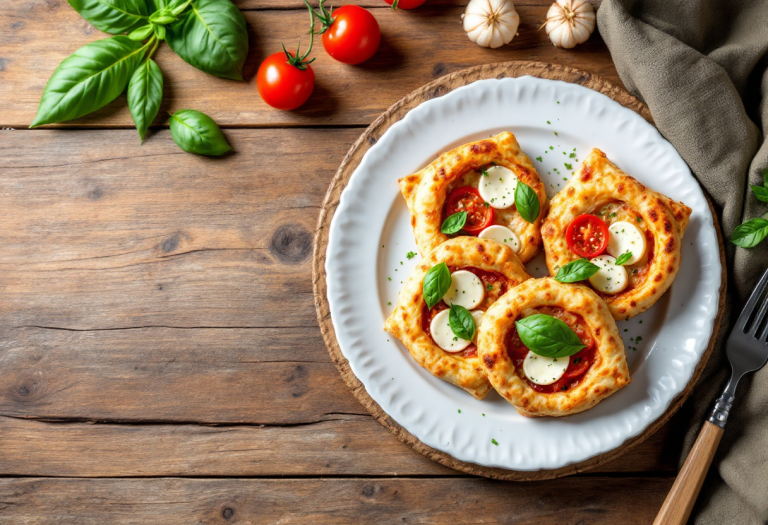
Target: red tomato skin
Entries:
(407, 4)
(458, 193)
(570, 232)
(282, 85)
(354, 36)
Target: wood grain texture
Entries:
(417, 47)
(681, 498)
(366, 140)
(340, 445)
(597, 501)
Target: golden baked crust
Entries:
(606, 375)
(406, 321)
(425, 191)
(597, 182)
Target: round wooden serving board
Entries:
(393, 114)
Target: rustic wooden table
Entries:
(160, 359)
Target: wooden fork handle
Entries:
(679, 503)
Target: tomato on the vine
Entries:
(479, 213)
(286, 80)
(405, 4)
(350, 34)
(587, 235)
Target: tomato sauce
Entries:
(579, 364)
(499, 285)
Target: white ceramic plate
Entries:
(367, 264)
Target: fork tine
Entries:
(759, 318)
(752, 302)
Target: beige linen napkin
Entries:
(700, 66)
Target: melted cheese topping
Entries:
(502, 235)
(442, 334)
(466, 290)
(626, 237)
(610, 279)
(498, 188)
(544, 370)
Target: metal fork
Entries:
(747, 350)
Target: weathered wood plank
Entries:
(345, 445)
(418, 47)
(333, 501)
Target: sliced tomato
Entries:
(587, 235)
(579, 363)
(468, 199)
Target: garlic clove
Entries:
(570, 22)
(491, 23)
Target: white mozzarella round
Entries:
(626, 237)
(498, 188)
(466, 290)
(502, 235)
(609, 278)
(544, 370)
(477, 315)
(444, 336)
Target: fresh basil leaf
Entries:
(163, 17)
(89, 79)
(576, 271)
(141, 33)
(751, 233)
(145, 93)
(212, 37)
(454, 223)
(761, 192)
(196, 132)
(548, 336)
(160, 32)
(623, 258)
(461, 322)
(527, 202)
(436, 283)
(112, 16)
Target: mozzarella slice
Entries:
(477, 315)
(544, 370)
(626, 237)
(609, 278)
(498, 188)
(466, 290)
(444, 336)
(502, 235)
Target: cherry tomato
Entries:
(350, 33)
(283, 85)
(405, 4)
(468, 199)
(587, 236)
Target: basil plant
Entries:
(208, 34)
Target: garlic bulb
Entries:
(570, 22)
(491, 23)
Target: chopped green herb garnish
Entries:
(539, 159)
(495, 442)
(410, 255)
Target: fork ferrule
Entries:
(723, 405)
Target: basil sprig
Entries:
(623, 258)
(209, 34)
(527, 202)
(436, 283)
(751, 233)
(454, 223)
(461, 322)
(754, 231)
(576, 271)
(548, 336)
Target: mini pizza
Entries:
(631, 233)
(462, 277)
(479, 183)
(544, 311)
